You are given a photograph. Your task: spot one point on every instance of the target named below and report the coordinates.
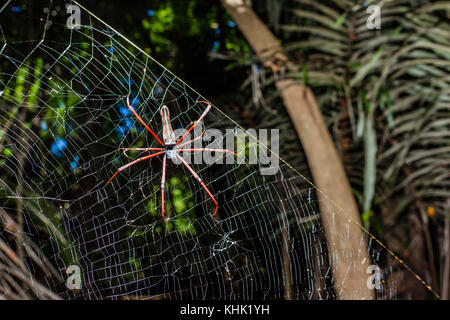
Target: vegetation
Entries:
(384, 95)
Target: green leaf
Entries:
(365, 216)
(8, 152)
(340, 20)
(365, 69)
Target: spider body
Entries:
(171, 149)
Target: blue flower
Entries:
(151, 13)
(215, 47)
(120, 131)
(74, 163)
(135, 101)
(218, 31)
(231, 24)
(128, 124)
(58, 147)
(125, 112)
(44, 126)
(16, 9)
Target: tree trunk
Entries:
(339, 211)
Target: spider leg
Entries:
(196, 176)
(198, 121)
(142, 121)
(190, 141)
(163, 182)
(206, 149)
(132, 163)
(142, 149)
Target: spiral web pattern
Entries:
(63, 121)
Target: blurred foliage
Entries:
(385, 97)
(175, 35)
(386, 90)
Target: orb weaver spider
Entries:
(171, 148)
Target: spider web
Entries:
(63, 121)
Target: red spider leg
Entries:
(196, 176)
(134, 162)
(163, 182)
(196, 122)
(190, 141)
(142, 121)
(142, 149)
(203, 149)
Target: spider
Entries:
(171, 148)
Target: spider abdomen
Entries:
(171, 154)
